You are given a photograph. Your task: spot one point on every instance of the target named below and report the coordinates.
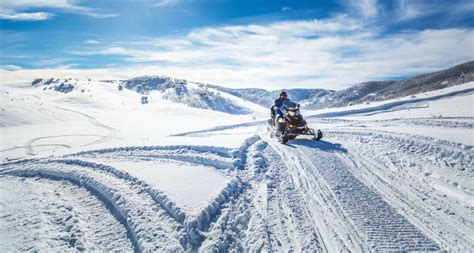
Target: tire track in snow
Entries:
(379, 226)
(112, 131)
(55, 215)
(29, 150)
(397, 172)
(319, 202)
(149, 227)
(291, 224)
(378, 223)
(455, 155)
(294, 184)
(194, 227)
(268, 215)
(220, 128)
(29, 145)
(390, 105)
(441, 122)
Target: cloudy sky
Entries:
(267, 44)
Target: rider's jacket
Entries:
(279, 106)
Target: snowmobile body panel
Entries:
(288, 128)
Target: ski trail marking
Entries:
(112, 131)
(29, 145)
(220, 128)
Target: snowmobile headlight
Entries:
(292, 113)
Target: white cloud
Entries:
(26, 16)
(17, 9)
(408, 10)
(10, 67)
(91, 42)
(331, 53)
(160, 3)
(365, 8)
(413, 9)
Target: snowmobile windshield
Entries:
(291, 106)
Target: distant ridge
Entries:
(243, 101)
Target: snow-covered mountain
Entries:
(265, 98)
(363, 92)
(156, 89)
(188, 93)
(383, 90)
(152, 89)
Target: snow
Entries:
(465, 136)
(100, 117)
(94, 169)
(436, 108)
(191, 186)
(55, 215)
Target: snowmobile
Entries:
(291, 125)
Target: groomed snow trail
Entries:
(366, 190)
(379, 225)
(398, 191)
(358, 190)
(55, 215)
(428, 179)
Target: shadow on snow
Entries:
(322, 145)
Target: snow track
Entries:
(153, 222)
(394, 104)
(445, 122)
(57, 215)
(425, 189)
(290, 223)
(380, 225)
(148, 225)
(349, 186)
(369, 192)
(360, 189)
(112, 131)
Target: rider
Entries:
(278, 108)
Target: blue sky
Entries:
(267, 44)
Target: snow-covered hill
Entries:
(383, 90)
(151, 89)
(155, 89)
(189, 93)
(265, 98)
(363, 92)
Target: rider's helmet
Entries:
(283, 94)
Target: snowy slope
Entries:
(363, 92)
(153, 89)
(168, 176)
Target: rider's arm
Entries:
(276, 107)
(282, 109)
